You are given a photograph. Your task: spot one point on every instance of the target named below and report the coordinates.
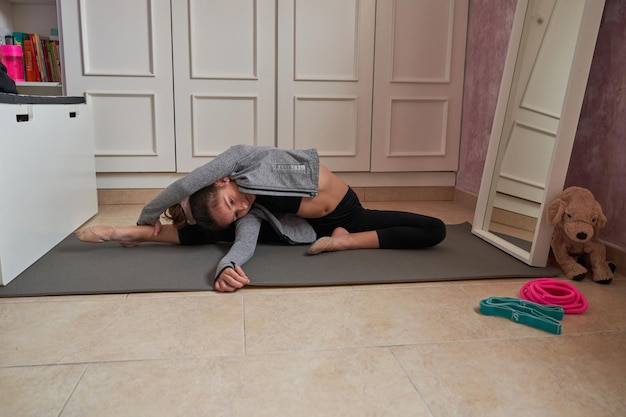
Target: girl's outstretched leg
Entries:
(128, 235)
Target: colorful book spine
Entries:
(41, 66)
(57, 60)
(52, 61)
(30, 61)
(35, 42)
(18, 39)
(45, 52)
(41, 57)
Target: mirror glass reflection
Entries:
(545, 55)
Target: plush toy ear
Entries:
(556, 209)
(601, 216)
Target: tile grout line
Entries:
(327, 349)
(69, 397)
(390, 349)
(243, 324)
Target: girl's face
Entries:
(231, 204)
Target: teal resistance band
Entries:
(544, 317)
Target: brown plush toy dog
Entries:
(577, 218)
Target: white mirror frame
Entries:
(581, 64)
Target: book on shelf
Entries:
(40, 56)
(30, 61)
(18, 39)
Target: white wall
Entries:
(35, 18)
(6, 17)
(29, 18)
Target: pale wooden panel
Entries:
(326, 123)
(318, 24)
(223, 39)
(517, 205)
(527, 156)
(115, 43)
(418, 127)
(422, 45)
(324, 76)
(220, 122)
(225, 71)
(545, 91)
(124, 124)
(524, 191)
(130, 44)
(418, 84)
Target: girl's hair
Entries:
(200, 203)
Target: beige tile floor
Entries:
(379, 350)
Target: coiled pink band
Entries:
(550, 291)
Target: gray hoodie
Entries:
(261, 170)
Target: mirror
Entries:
(542, 90)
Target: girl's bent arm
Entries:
(222, 166)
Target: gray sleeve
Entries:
(246, 235)
(222, 166)
(292, 228)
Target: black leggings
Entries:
(196, 235)
(395, 229)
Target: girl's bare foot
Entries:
(99, 234)
(328, 243)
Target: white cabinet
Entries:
(223, 87)
(374, 85)
(296, 74)
(325, 74)
(47, 179)
(172, 83)
(119, 54)
(224, 77)
(418, 85)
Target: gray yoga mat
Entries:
(75, 267)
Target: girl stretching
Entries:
(249, 193)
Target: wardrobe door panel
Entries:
(224, 72)
(418, 86)
(325, 73)
(119, 54)
(222, 39)
(318, 25)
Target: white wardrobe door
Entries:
(119, 54)
(224, 78)
(325, 73)
(418, 86)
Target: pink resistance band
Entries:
(549, 291)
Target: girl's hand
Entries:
(157, 229)
(231, 279)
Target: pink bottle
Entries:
(12, 59)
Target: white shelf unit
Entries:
(32, 17)
(39, 88)
(47, 165)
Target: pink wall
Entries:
(598, 160)
(488, 32)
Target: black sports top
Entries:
(279, 204)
